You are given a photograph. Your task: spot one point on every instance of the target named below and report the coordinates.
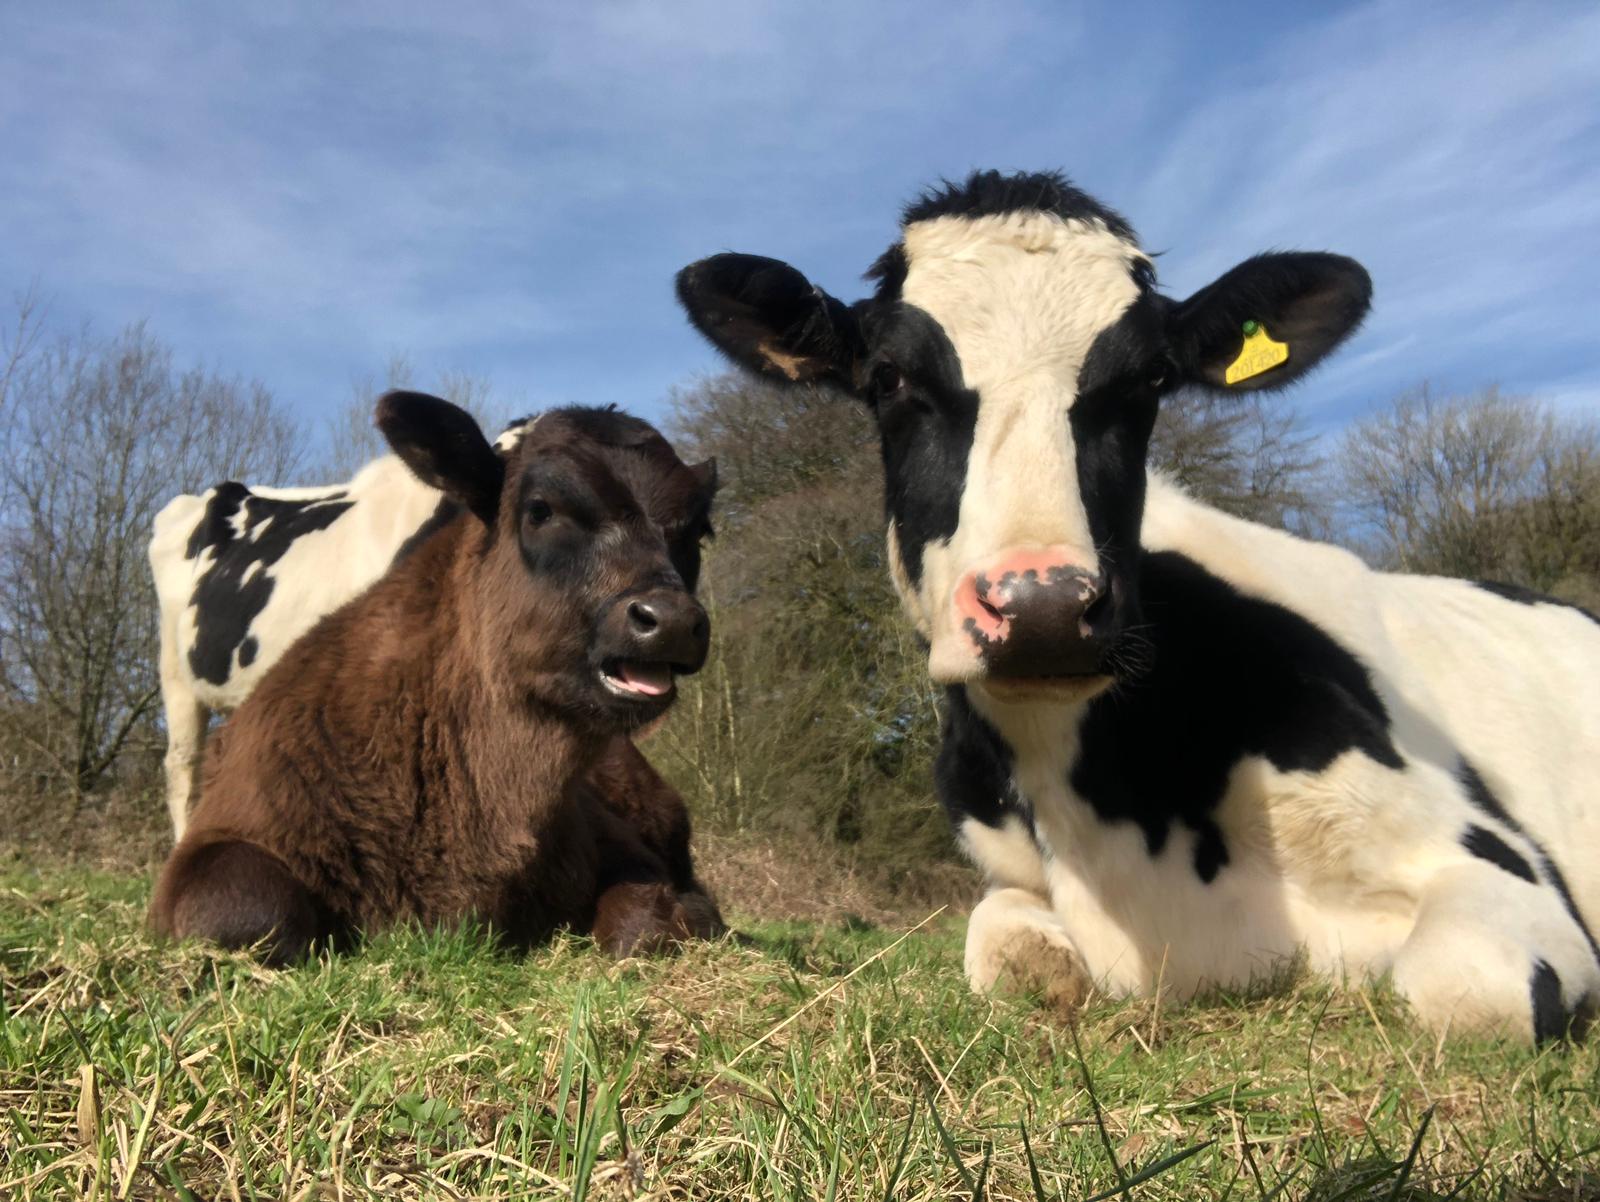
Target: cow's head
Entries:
(574, 593)
(1014, 354)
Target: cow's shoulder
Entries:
(1219, 676)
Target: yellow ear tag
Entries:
(1259, 353)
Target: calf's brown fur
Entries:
(452, 743)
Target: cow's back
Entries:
(242, 572)
(1500, 694)
(1515, 686)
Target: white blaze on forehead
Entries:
(1022, 297)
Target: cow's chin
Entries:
(1042, 690)
(954, 662)
(592, 699)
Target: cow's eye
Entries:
(1161, 374)
(886, 380)
(539, 512)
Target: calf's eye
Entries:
(539, 512)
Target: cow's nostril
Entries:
(1097, 607)
(642, 617)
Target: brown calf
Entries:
(452, 743)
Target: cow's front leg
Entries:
(186, 736)
(1493, 952)
(1017, 944)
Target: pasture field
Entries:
(835, 1059)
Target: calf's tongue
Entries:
(650, 679)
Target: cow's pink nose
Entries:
(1030, 612)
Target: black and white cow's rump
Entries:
(1184, 747)
(241, 572)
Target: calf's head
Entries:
(575, 593)
(676, 496)
(1014, 354)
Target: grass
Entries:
(814, 1061)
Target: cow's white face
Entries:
(1014, 356)
(1021, 299)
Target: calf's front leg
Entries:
(239, 895)
(640, 908)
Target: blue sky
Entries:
(297, 191)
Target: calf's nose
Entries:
(1036, 612)
(668, 626)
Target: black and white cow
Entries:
(241, 572)
(1185, 748)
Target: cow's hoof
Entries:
(1029, 963)
(1036, 967)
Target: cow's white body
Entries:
(1359, 868)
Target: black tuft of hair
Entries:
(609, 425)
(991, 194)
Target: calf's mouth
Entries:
(638, 679)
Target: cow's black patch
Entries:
(1229, 676)
(1119, 388)
(1479, 793)
(1487, 845)
(1210, 850)
(1550, 1018)
(237, 585)
(445, 512)
(215, 527)
(973, 770)
(1527, 596)
(248, 650)
(926, 419)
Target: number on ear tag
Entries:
(1259, 353)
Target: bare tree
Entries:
(19, 339)
(1486, 486)
(1248, 456)
(768, 439)
(352, 439)
(104, 433)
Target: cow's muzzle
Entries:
(1037, 613)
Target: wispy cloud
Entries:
(296, 190)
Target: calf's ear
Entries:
(1269, 320)
(705, 474)
(766, 316)
(444, 448)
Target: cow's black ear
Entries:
(443, 447)
(705, 473)
(1269, 320)
(766, 316)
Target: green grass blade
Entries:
(1151, 1171)
(1410, 1162)
(1034, 1179)
(900, 1159)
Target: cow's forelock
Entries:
(1022, 298)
